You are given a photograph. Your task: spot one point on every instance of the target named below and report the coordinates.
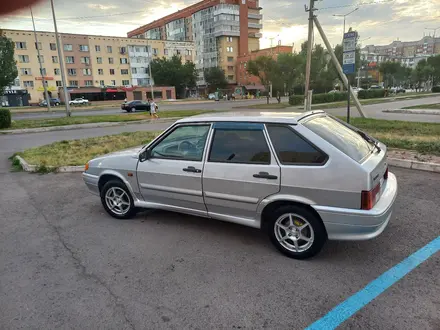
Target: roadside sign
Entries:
(349, 57)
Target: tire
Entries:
(111, 190)
(313, 230)
(57, 104)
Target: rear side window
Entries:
(245, 145)
(293, 149)
(340, 136)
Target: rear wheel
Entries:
(117, 200)
(296, 232)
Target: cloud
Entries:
(101, 7)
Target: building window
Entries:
(43, 72)
(99, 60)
(70, 59)
(54, 59)
(101, 83)
(57, 71)
(178, 52)
(188, 52)
(113, 82)
(123, 60)
(124, 71)
(73, 83)
(68, 47)
(123, 50)
(125, 82)
(38, 46)
(28, 83)
(83, 48)
(230, 59)
(87, 72)
(165, 51)
(100, 72)
(23, 58)
(71, 72)
(85, 60)
(53, 46)
(230, 68)
(231, 77)
(112, 71)
(229, 39)
(134, 70)
(230, 49)
(155, 51)
(20, 45)
(110, 60)
(97, 48)
(40, 59)
(59, 83)
(26, 72)
(88, 82)
(109, 49)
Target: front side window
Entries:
(341, 137)
(184, 143)
(239, 143)
(291, 149)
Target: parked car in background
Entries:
(211, 96)
(373, 87)
(53, 102)
(302, 178)
(398, 90)
(79, 101)
(135, 106)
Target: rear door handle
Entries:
(192, 169)
(265, 175)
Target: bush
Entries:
(436, 89)
(319, 98)
(5, 118)
(372, 94)
(296, 100)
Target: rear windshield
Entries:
(340, 136)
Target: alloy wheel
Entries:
(294, 232)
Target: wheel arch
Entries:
(112, 175)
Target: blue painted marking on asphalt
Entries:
(360, 299)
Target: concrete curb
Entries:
(82, 126)
(414, 111)
(414, 165)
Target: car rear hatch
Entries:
(368, 152)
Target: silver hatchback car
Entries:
(301, 177)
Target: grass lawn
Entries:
(435, 106)
(421, 137)
(124, 117)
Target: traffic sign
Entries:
(349, 56)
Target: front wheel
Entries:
(117, 200)
(296, 232)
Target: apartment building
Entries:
(408, 53)
(222, 30)
(90, 61)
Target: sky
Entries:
(377, 21)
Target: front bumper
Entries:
(91, 182)
(351, 224)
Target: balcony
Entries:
(255, 25)
(255, 16)
(255, 35)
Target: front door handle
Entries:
(192, 169)
(265, 175)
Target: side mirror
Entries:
(143, 156)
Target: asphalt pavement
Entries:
(67, 264)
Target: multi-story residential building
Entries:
(89, 61)
(408, 53)
(221, 30)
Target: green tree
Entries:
(291, 68)
(215, 78)
(171, 72)
(8, 65)
(434, 62)
(422, 74)
(389, 70)
(267, 70)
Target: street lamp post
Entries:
(345, 15)
(61, 61)
(43, 80)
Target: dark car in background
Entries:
(135, 106)
(53, 102)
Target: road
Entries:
(66, 264)
(373, 111)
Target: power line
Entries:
(358, 4)
(99, 16)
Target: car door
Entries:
(239, 172)
(171, 178)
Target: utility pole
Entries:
(61, 60)
(307, 99)
(46, 94)
(338, 67)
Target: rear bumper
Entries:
(350, 224)
(91, 182)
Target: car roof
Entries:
(251, 116)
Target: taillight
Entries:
(370, 198)
(385, 176)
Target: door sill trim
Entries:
(178, 209)
(248, 222)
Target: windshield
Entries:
(340, 136)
